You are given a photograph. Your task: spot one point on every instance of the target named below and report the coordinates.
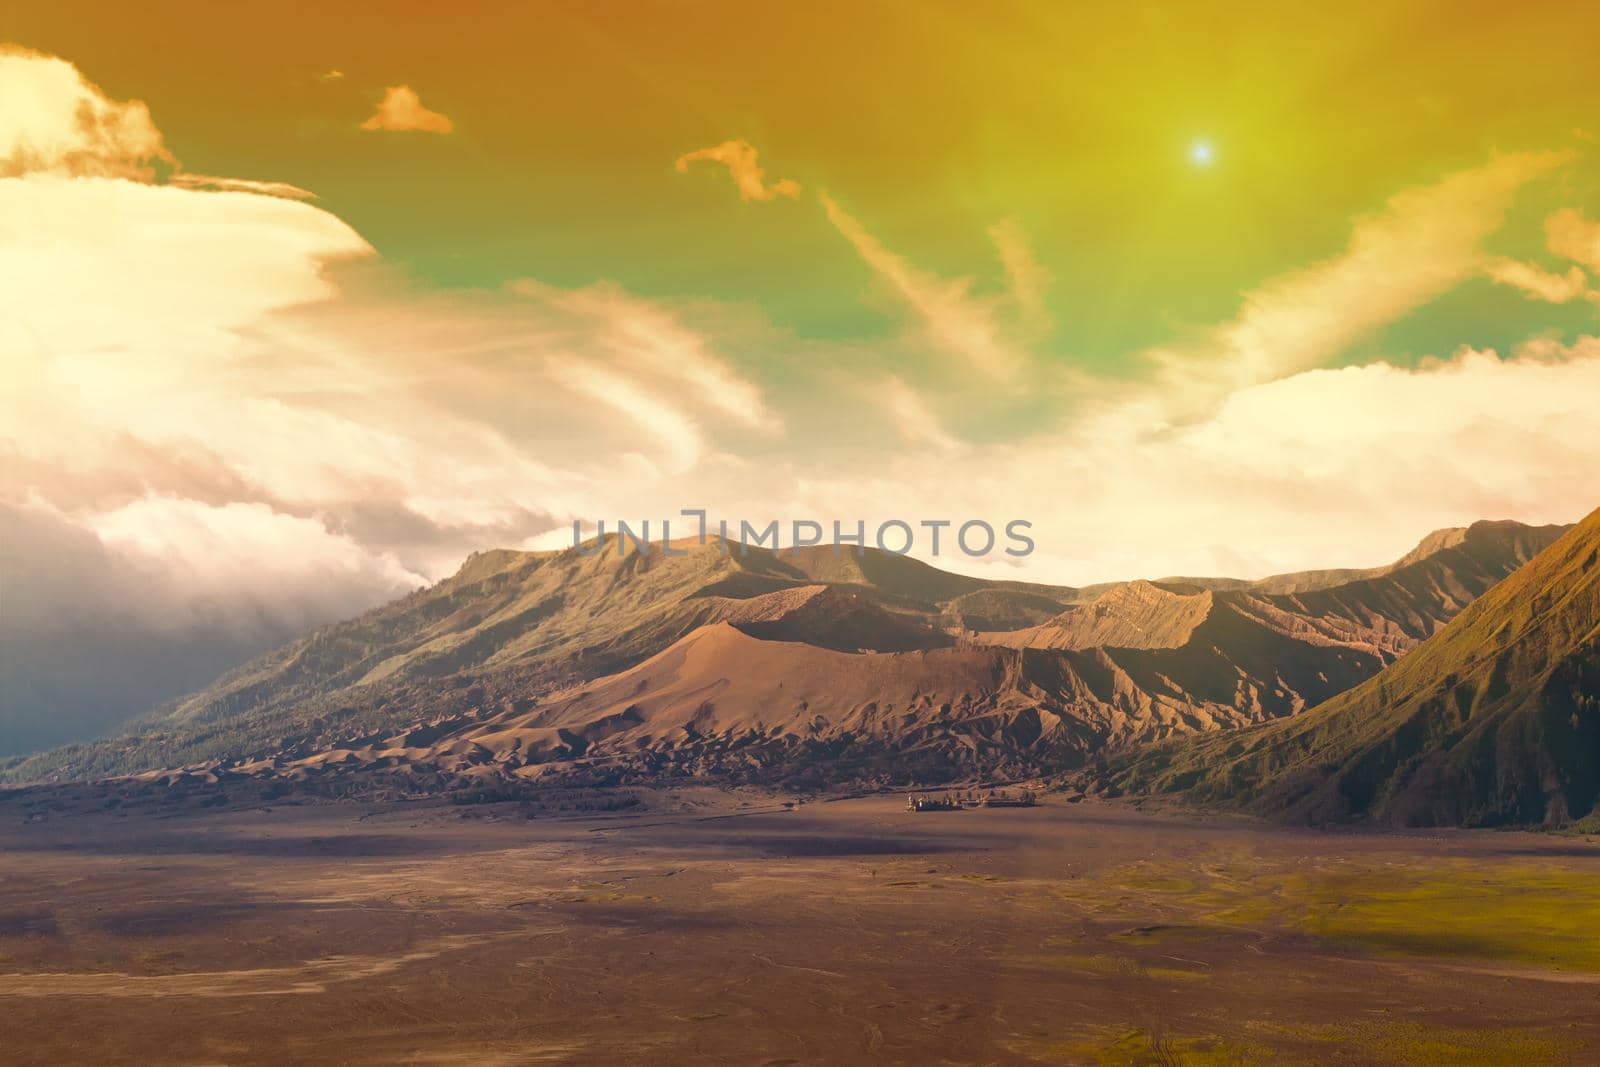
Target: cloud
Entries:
(1426, 241)
(673, 430)
(253, 349)
(650, 342)
(1571, 234)
(1026, 278)
(212, 183)
(218, 267)
(54, 121)
(911, 416)
(1537, 282)
(740, 159)
(1326, 467)
(402, 109)
(97, 628)
(954, 319)
(251, 550)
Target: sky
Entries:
(300, 307)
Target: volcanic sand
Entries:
(715, 927)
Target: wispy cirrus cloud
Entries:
(652, 343)
(1423, 243)
(742, 161)
(402, 110)
(911, 416)
(1572, 234)
(954, 319)
(213, 183)
(675, 436)
(1026, 279)
(1537, 282)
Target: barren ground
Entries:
(716, 928)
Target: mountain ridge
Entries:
(510, 630)
(1493, 721)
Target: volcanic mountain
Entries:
(1494, 720)
(809, 665)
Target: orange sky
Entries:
(927, 121)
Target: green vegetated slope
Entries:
(1494, 720)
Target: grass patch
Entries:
(1511, 913)
(1528, 916)
(1107, 965)
(1137, 1048)
(1436, 1046)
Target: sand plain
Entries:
(715, 927)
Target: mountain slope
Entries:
(510, 627)
(724, 703)
(1494, 720)
(1133, 615)
(1113, 664)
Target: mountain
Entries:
(1498, 537)
(1494, 720)
(510, 627)
(796, 656)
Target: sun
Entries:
(1201, 153)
